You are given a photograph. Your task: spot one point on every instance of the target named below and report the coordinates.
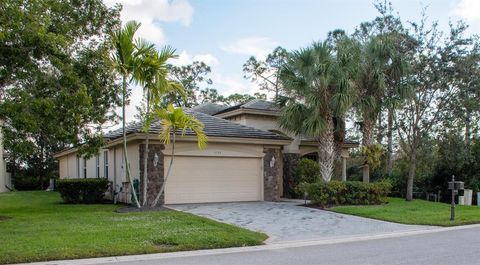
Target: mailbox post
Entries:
(455, 186)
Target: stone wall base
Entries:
(155, 170)
(272, 174)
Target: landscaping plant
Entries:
(326, 194)
(175, 120)
(88, 190)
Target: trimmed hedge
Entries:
(333, 193)
(88, 190)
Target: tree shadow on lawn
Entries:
(4, 218)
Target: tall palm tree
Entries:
(397, 90)
(317, 82)
(370, 83)
(126, 58)
(173, 121)
(153, 76)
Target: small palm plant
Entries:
(173, 121)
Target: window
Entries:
(84, 168)
(105, 163)
(97, 165)
(78, 167)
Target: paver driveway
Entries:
(285, 221)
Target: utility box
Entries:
(467, 195)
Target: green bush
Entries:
(332, 193)
(307, 171)
(89, 190)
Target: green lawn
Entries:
(36, 226)
(417, 212)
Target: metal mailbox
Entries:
(456, 185)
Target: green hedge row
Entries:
(332, 193)
(88, 190)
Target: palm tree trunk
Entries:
(125, 155)
(155, 202)
(367, 142)
(326, 154)
(380, 128)
(145, 156)
(411, 174)
(390, 142)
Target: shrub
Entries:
(333, 193)
(307, 171)
(89, 190)
(26, 182)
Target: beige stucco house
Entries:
(5, 182)
(248, 158)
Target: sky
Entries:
(224, 34)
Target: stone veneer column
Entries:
(290, 162)
(155, 164)
(272, 174)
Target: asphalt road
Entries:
(447, 247)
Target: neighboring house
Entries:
(244, 160)
(5, 181)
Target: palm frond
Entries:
(175, 120)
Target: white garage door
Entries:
(213, 179)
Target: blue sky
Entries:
(225, 34)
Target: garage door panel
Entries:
(214, 179)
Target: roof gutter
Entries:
(187, 138)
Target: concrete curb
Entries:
(274, 246)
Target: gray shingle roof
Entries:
(213, 127)
(260, 105)
(256, 104)
(209, 108)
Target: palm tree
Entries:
(173, 121)
(370, 82)
(126, 58)
(317, 83)
(396, 90)
(153, 76)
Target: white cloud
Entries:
(151, 12)
(226, 84)
(259, 47)
(185, 58)
(469, 10)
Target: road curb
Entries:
(273, 246)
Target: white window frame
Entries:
(84, 168)
(97, 166)
(78, 167)
(105, 164)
